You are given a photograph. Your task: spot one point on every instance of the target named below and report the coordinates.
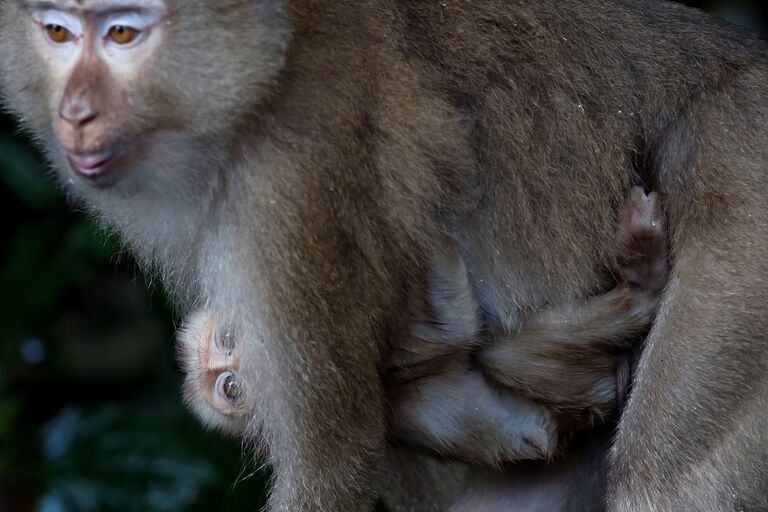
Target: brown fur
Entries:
(564, 357)
(308, 158)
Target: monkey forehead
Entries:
(96, 5)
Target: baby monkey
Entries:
(458, 391)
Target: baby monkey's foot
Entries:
(643, 232)
(575, 356)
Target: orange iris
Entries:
(121, 34)
(57, 33)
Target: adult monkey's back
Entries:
(289, 163)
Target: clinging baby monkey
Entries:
(556, 374)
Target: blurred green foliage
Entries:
(91, 417)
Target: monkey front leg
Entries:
(456, 413)
(311, 336)
(323, 416)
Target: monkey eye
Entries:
(122, 34)
(59, 27)
(226, 340)
(229, 385)
(128, 27)
(57, 33)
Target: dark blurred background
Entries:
(91, 418)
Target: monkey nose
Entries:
(78, 112)
(219, 362)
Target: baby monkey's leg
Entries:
(567, 356)
(439, 402)
(456, 414)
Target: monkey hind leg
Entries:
(694, 434)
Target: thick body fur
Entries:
(573, 484)
(565, 369)
(567, 357)
(298, 183)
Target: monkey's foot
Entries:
(643, 234)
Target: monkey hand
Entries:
(458, 414)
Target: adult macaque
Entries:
(291, 165)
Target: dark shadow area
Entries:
(91, 416)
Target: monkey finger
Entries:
(641, 221)
(643, 235)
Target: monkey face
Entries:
(132, 91)
(214, 388)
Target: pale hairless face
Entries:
(214, 387)
(95, 52)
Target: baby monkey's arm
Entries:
(567, 356)
(570, 359)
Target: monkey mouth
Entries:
(94, 167)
